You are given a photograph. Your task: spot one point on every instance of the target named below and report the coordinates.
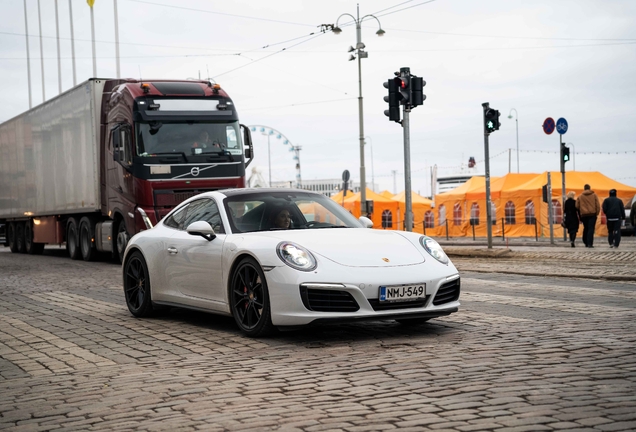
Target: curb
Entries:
(616, 278)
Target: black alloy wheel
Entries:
(19, 237)
(11, 237)
(72, 240)
(137, 286)
(87, 247)
(249, 299)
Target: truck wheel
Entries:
(72, 240)
(31, 248)
(121, 241)
(11, 237)
(19, 237)
(86, 243)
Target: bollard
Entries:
(473, 225)
(424, 226)
(503, 230)
(536, 230)
(446, 229)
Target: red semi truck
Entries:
(110, 157)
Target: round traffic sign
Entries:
(562, 126)
(346, 175)
(548, 125)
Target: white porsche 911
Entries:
(275, 258)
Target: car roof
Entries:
(247, 191)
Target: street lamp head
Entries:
(351, 49)
(336, 30)
(380, 32)
(352, 57)
(509, 115)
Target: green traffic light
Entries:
(490, 124)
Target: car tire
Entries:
(249, 299)
(412, 321)
(72, 239)
(86, 243)
(20, 244)
(11, 238)
(137, 286)
(31, 247)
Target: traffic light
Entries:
(417, 85)
(404, 81)
(491, 120)
(393, 113)
(566, 154)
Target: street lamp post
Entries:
(360, 53)
(517, 124)
(573, 158)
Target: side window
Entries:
(195, 212)
(213, 217)
(176, 218)
(122, 145)
(204, 210)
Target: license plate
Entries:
(402, 292)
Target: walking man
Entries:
(589, 207)
(615, 213)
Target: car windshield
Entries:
(273, 210)
(155, 138)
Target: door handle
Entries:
(172, 250)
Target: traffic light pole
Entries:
(550, 211)
(408, 216)
(565, 236)
(363, 183)
(487, 166)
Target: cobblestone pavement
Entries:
(524, 353)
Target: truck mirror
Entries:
(249, 148)
(116, 142)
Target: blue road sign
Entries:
(548, 125)
(562, 126)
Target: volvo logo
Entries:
(385, 259)
(195, 171)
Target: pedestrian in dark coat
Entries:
(589, 207)
(615, 213)
(571, 215)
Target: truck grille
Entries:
(320, 300)
(172, 198)
(447, 293)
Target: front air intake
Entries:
(449, 292)
(320, 300)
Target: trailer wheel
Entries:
(11, 237)
(72, 240)
(121, 241)
(86, 242)
(19, 237)
(31, 247)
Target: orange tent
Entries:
(386, 194)
(451, 212)
(518, 207)
(420, 207)
(386, 208)
(526, 203)
(338, 197)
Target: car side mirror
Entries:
(203, 229)
(247, 143)
(366, 222)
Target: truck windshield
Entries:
(188, 138)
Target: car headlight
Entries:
(296, 256)
(434, 249)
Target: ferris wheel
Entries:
(271, 132)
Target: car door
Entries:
(194, 264)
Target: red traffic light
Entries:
(403, 83)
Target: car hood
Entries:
(355, 247)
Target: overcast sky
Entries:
(544, 58)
